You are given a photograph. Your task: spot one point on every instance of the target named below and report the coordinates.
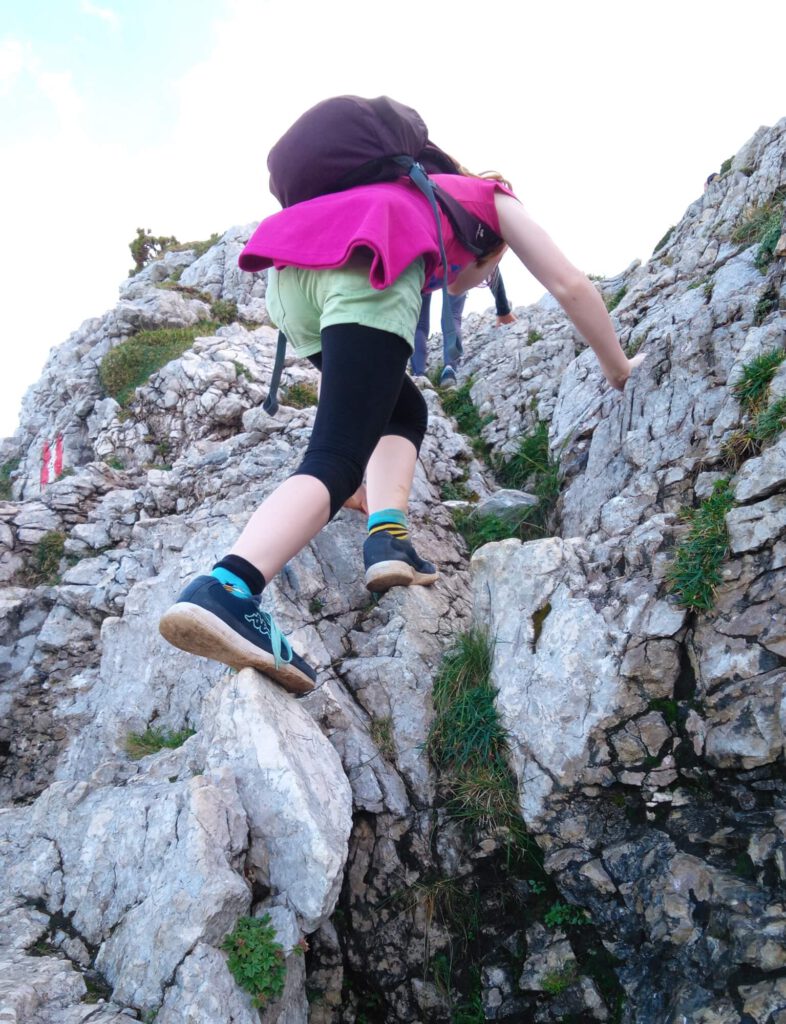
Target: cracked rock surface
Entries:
(645, 738)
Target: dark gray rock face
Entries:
(642, 879)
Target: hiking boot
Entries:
(447, 378)
(394, 563)
(211, 621)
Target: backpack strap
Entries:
(271, 402)
(422, 181)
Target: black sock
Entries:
(247, 572)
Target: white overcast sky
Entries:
(607, 117)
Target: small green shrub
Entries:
(612, 301)
(315, 605)
(665, 239)
(300, 395)
(457, 490)
(224, 311)
(146, 247)
(200, 248)
(44, 564)
(725, 167)
(141, 744)
(560, 914)
(129, 364)
(115, 463)
(754, 382)
(667, 707)
(695, 574)
(6, 486)
(256, 959)
(533, 336)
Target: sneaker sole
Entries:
(385, 575)
(198, 631)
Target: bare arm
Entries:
(572, 289)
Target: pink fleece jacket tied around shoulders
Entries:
(392, 219)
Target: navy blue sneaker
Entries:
(208, 619)
(394, 563)
(447, 379)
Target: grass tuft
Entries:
(44, 565)
(612, 301)
(457, 402)
(767, 304)
(300, 395)
(224, 311)
(556, 982)
(466, 740)
(751, 389)
(695, 573)
(770, 421)
(530, 468)
(141, 744)
(131, 363)
(382, 735)
(665, 239)
(763, 224)
(6, 485)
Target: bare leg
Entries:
(390, 472)
(283, 524)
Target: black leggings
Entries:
(365, 395)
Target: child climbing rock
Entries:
(348, 270)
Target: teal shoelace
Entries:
(265, 624)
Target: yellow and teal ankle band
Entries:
(392, 520)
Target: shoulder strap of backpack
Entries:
(271, 402)
(426, 186)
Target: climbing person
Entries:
(347, 272)
(419, 361)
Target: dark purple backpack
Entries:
(347, 141)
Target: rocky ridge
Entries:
(646, 737)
